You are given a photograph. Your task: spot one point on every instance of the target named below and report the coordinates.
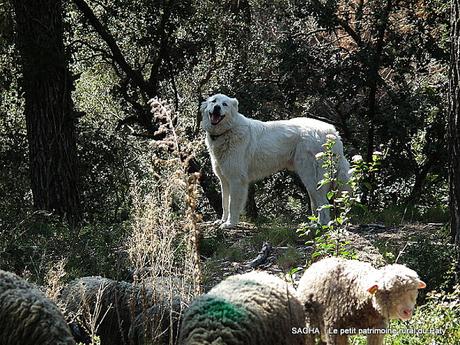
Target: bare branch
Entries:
(118, 56)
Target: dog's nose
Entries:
(216, 109)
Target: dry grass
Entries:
(163, 243)
(54, 279)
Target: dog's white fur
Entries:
(243, 150)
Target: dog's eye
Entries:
(224, 104)
(213, 101)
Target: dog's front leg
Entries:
(224, 188)
(238, 188)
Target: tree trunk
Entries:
(454, 128)
(373, 76)
(251, 206)
(213, 196)
(373, 80)
(420, 180)
(47, 86)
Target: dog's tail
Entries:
(343, 168)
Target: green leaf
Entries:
(326, 207)
(294, 270)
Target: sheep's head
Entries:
(395, 291)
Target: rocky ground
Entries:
(278, 249)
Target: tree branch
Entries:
(133, 75)
(163, 51)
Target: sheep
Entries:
(351, 296)
(156, 323)
(253, 309)
(27, 316)
(118, 312)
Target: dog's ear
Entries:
(235, 104)
(203, 106)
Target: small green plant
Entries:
(95, 340)
(436, 322)
(363, 175)
(278, 234)
(327, 239)
(231, 252)
(291, 273)
(289, 258)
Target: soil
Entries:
(370, 242)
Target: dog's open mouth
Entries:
(216, 117)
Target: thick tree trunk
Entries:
(47, 86)
(454, 127)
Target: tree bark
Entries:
(213, 196)
(47, 85)
(373, 77)
(420, 180)
(251, 207)
(454, 129)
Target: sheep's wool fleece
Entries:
(27, 316)
(334, 292)
(121, 303)
(252, 309)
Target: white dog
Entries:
(244, 150)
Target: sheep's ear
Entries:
(373, 289)
(235, 103)
(421, 284)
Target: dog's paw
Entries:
(227, 225)
(218, 222)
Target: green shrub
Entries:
(441, 312)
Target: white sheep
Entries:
(121, 311)
(28, 317)
(255, 308)
(351, 296)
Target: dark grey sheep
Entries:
(128, 314)
(28, 317)
(158, 324)
(255, 308)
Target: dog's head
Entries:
(218, 112)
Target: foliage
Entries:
(277, 234)
(394, 215)
(364, 175)
(430, 255)
(281, 59)
(164, 234)
(327, 238)
(289, 258)
(439, 314)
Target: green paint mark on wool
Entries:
(222, 310)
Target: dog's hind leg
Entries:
(310, 172)
(318, 199)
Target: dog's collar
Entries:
(214, 137)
